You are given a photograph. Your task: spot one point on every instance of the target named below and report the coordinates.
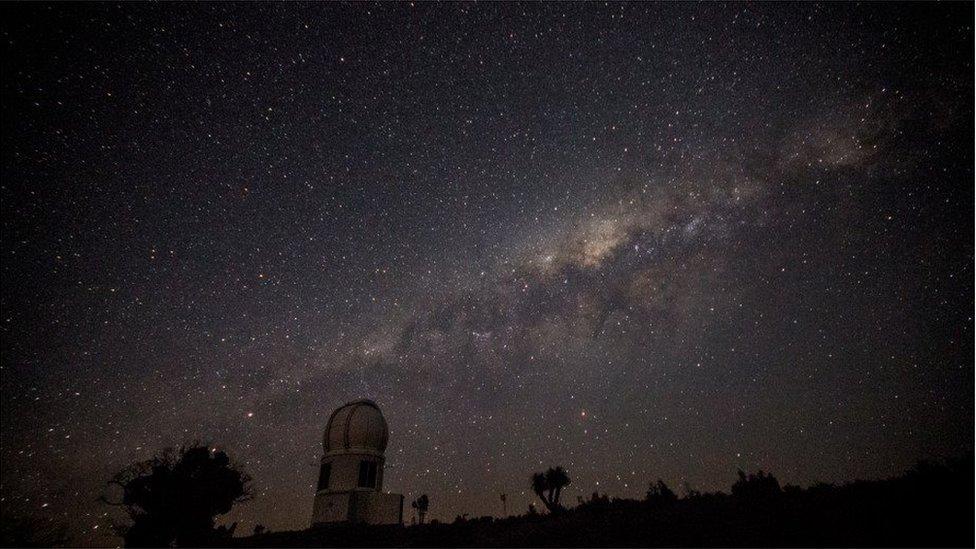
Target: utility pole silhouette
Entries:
(504, 505)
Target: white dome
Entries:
(356, 427)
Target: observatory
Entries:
(350, 487)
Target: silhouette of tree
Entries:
(175, 496)
(597, 503)
(549, 485)
(659, 494)
(421, 504)
(224, 532)
(757, 486)
(558, 479)
(539, 486)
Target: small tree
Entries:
(595, 503)
(175, 496)
(690, 492)
(549, 485)
(659, 494)
(539, 486)
(756, 486)
(421, 504)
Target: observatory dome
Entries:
(357, 427)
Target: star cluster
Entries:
(639, 241)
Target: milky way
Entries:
(640, 241)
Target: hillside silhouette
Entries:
(931, 505)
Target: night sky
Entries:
(635, 240)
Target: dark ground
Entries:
(930, 506)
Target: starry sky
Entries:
(636, 240)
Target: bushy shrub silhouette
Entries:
(659, 494)
(175, 496)
(756, 486)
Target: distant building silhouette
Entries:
(351, 472)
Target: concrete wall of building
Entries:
(330, 507)
(377, 508)
(357, 506)
(344, 473)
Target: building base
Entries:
(358, 506)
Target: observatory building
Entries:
(350, 485)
